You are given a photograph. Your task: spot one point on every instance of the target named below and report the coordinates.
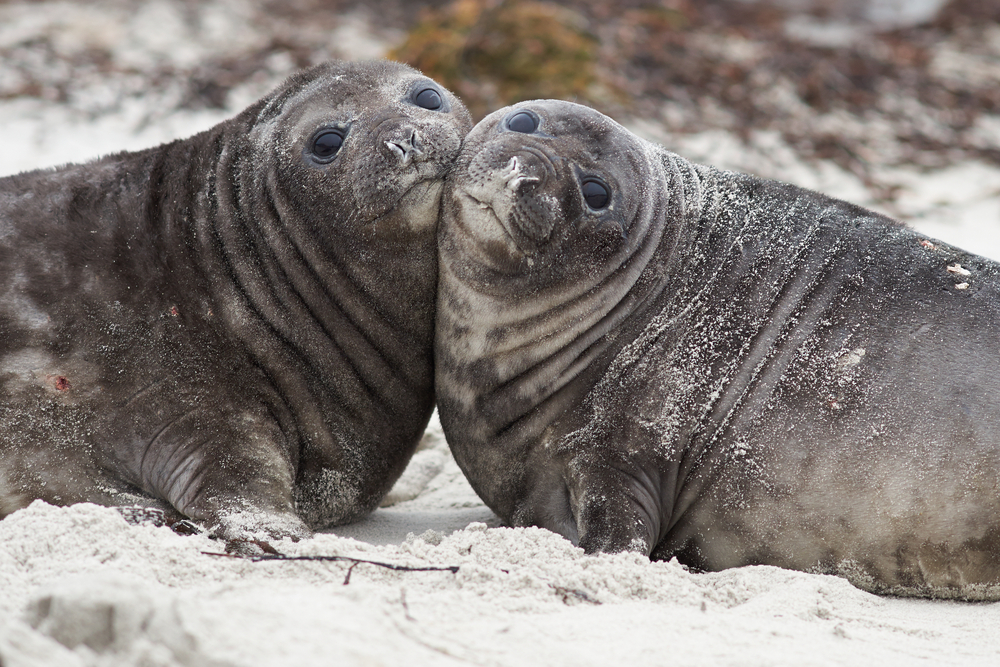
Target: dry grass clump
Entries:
(498, 52)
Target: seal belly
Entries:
(891, 524)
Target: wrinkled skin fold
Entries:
(237, 326)
(712, 366)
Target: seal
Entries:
(238, 325)
(644, 354)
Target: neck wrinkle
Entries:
(381, 347)
(538, 380)
(764, 265)
(300, 322)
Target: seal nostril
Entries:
(523, 171)
(396, 148)
(405, 149)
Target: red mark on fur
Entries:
(174, 311)
(61, 383)
(927, 244)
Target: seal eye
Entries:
(428, 98)
(595, 194)
(326, 144)
(522, 122)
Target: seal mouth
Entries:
(420, 203)
(420, 182)
(495, 221)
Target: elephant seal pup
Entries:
(645, 354)
(238, 325)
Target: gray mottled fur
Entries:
(716, 367)
(224, 325)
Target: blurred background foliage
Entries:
(840, 79)
(832, 79)
(498, 52)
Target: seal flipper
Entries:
(618, 509)
(600, 507)
(240, 493)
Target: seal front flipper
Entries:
(230, 470)
(603, 503)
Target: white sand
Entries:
(79, 586)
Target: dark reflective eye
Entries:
(428, 98)
(522, 122)
(595, 194)
(326, 145)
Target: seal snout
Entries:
(405, 144)
(400, 139)
(525, 170)
(509, 190)
(533, 210)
